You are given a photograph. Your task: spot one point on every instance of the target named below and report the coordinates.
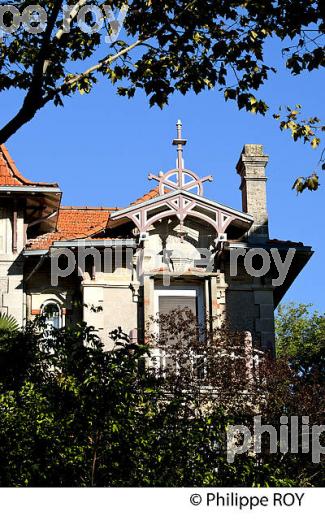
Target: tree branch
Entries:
(61, 31)
(34, 99)
(38, 69)
(102, 63)
(109, 59)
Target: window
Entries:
(170, 303)
(52, 313)
(169, 299)
(176, 301)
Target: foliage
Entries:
(75, 414)
(301, 338)
(7, 323)
(175, 45)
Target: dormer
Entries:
(27, 208)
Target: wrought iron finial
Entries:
(184, 179)
(179, 142)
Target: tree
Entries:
(300, 337)
(73, 414)
(175, 45)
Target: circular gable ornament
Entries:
(180, 178)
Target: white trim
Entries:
(185, 290)
(244, 216)
(35, 252)
(195, 291)
(32, 189)
(88, 242)
(58, 304)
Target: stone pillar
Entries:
(148, 299)
(218, 298)
(12, 239)
(251, 168)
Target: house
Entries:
(173, 247)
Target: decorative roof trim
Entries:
(283, 245)
(30, 189)
(35, 252)
(108, 242)
(170, 195)
(183, 204)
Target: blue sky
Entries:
(100, 149)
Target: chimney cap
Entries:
(252, 153)
(253, 150)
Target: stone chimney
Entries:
(251, 168)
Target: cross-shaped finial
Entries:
(179, 142)
(186, 180)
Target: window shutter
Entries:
(168, 304)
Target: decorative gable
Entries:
(180, 194)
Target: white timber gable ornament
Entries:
(185, 179)
(180, 194)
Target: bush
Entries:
(73, 414)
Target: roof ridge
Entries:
(99, 208)
(16, 173)
(151, 194)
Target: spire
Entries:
(179, 142)
(180, 178)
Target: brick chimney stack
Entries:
(251, 168)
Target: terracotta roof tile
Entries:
(73, 223)
(80, 222)
(11, 176)
(147, 196)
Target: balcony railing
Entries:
(163, 360)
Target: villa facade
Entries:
(173, 247)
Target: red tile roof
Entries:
(11, 176)
(147, 196)
(80, 222)
(73, 223)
